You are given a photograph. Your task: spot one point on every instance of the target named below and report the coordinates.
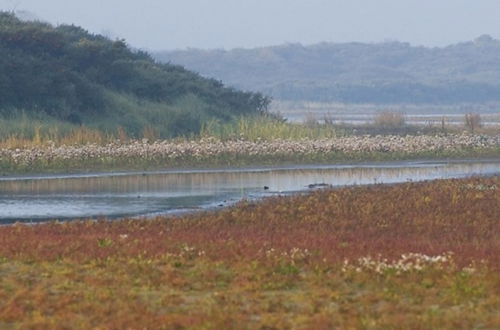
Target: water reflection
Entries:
(156, 193)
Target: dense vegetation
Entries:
(384, 73)
(412, 256)
(66, 75)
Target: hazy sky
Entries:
(170, 24)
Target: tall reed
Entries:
(262, 128)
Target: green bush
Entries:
(70, 75)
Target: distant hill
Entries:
(66, 74)
(383, 73)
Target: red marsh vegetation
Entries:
(414, 255)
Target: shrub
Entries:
(390, 119)
(472, 121)
(90, 80)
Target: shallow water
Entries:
(151, 193)
(426, 119)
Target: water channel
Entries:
(115, 195)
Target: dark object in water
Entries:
(319, 185)
(266, 188)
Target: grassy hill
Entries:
(68, 77)
(383, 73)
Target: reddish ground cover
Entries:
(337, 258)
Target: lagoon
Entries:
(147, 194)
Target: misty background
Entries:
(361, 55)
(168, 25)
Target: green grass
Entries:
(21, 125)
(141, 119)
(266, 128)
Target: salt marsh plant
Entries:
(128, 153)
(413, 255)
